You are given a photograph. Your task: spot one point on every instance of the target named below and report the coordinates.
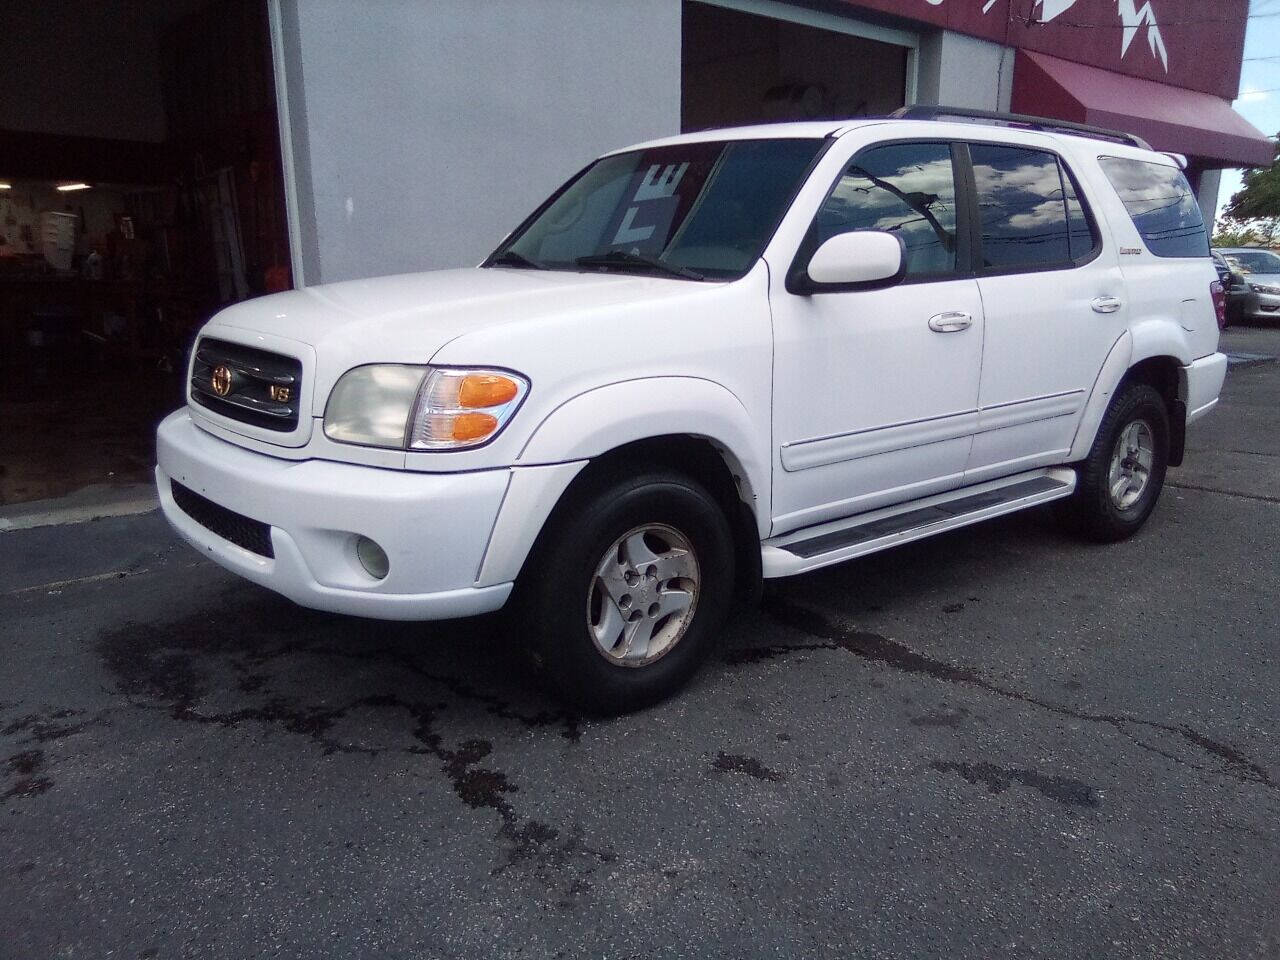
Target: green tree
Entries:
(1231, 234)
(1253, 213)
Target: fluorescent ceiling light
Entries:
(68, 187)
(4, 185)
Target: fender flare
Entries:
(1117, 364)
(1150, 338)
(604, 418)
(1160, 338)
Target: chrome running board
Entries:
(829, 543)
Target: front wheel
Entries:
(1119, 482)
(627, 590)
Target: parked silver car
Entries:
(1257, 296)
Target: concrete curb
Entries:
(1236, 360)
(90, 503)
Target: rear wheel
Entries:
(1120, 481)
(627, 590)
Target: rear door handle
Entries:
(950, 322)
(1106, 304)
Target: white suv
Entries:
(706, 360)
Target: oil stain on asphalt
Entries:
(830, 635)
(736, 763)
(173, 667)
(999, 779)
(25, 766)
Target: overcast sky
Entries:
(1259, 100)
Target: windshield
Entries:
(694, 210)
(1256, 261)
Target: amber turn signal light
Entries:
(463, 408)
(473, 426)
(486, 390)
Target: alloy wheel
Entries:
(643, 595)
(1131, 462)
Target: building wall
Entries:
(961, 71)
(1195, 44)
(422, 132)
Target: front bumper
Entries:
(434, 527)
(1261, 306)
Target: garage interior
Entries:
(140, 191)
(740, 68)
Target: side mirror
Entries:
(858, 260)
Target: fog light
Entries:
(372, 557)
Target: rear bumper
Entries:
(1201, 383)
(434, 528)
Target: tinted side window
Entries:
(1022, 208)
(1161, 204)
(904, 188)
(744, 198)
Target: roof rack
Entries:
(922, 112)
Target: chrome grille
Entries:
(247, 384)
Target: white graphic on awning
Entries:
(1134, 20)
(1132, 17)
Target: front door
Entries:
(876, 392)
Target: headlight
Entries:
(371, 405)
(421, 408)
(1264, 288)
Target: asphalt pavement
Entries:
(996, 743)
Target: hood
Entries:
(1270, 279)
(408, 318)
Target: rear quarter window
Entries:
(1161, 205)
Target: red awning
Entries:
(1200, 125)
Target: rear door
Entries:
(1054, 300)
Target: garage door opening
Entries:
(140, 191)
(742, 68)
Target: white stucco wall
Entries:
(424, 130)
(960, 71)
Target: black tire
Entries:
(555, 590)
(1093, 510)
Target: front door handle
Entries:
(1106, 304)
(950, 322)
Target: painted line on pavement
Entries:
(75, 581)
